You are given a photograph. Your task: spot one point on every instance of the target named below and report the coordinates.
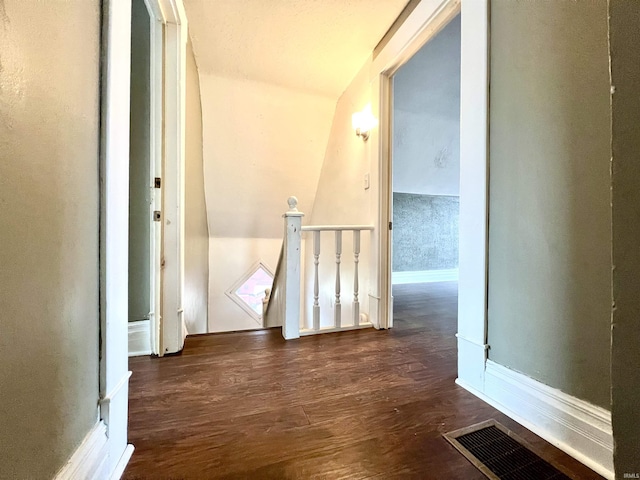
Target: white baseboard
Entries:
(140, 338)
(580, 429)
(89, 461)
(104, 453)
(122, 463)
(424, 276)
(114, 408)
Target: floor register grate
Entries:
(500, 454)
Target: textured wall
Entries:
(550, 217)
(49, 57)
(425, 232)
(196, 258)
(426, 118)
(625, 76)
(139, 165)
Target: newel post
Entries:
(292, 245)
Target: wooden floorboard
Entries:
(364, 404)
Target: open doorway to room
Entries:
(142, 301)
(425, 183)
(156, 177)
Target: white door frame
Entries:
(168, 96)
(428, 18)
(114, 205)
(114, 229)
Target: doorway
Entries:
(156, 185)
(427, 19)
(142, 174)
(425, 170)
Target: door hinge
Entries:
(157, 216)
(390, 225)
(158, 182)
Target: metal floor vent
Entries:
(500, 454)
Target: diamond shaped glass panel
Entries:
(252, 290)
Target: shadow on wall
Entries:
(196, 268)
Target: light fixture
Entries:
(362, 122)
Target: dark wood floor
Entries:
(364, 404)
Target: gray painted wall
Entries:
(550, 218)
(426, 118)
(49, 53)
(625, 75)
(425, 232)
(139, 162)
(196, 270)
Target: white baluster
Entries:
(356, 255)
(316, 283)
(338, 306)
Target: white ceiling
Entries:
(312, 45)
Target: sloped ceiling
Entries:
(316, 46)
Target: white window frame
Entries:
(169, 33)
(231, 292)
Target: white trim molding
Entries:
(174, 56)
(114, 228)
(90, 458)
(471, 363)
(474, 195)
(425, 276)
(140, 338)
(577, 427)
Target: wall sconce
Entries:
(362, 122)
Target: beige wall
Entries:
(262, 144)
(625, 75)
(196, 269)
(49, 52)
(341, 197)
(550, 218)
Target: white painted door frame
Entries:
(114, 206)
(428, 18)
(114, 229)
(168, 96)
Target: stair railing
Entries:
(283, 302)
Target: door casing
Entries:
(426, 20)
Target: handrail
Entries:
(287, 286)
(333, 228)
(273, 292)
